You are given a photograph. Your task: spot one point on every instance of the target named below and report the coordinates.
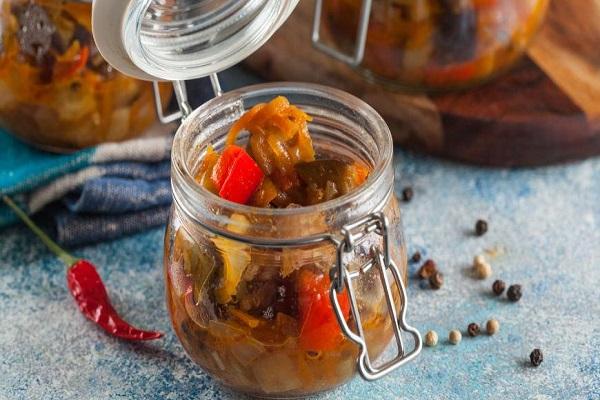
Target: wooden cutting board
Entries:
(546, 110)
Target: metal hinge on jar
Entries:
(356, 58)
(347, 240)
(342, 279)
(181, 95)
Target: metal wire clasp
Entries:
(361, 36)
(346, 241)
(182, 99)
(353, 235)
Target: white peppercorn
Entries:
(431, 338)
(492, 326)
(455, 336)
(481, 267)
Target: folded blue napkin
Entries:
(94, 194)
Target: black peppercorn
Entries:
(498, 287)
(473, 329)
(427, 269)
(416, 257)
(514, 292)
(481, 227)
(407, 194)
(436, 280)
(536, 357)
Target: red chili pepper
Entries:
(320, 329)
(236, 175)
(87, 288)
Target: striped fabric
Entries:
(96, 194)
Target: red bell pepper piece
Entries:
(320, 329)
(224, 164)
(66, 70)
(236, 175)
(452, 74)
(87, 288)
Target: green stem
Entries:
(56, 249)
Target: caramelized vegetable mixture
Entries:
(258, 319)
(278, 167)
(56, 91)
(438, 44)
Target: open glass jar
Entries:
(56, 90)
(428, 45)
(241, 280)
(235, 274)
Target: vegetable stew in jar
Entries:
(435, 45)
(284, 255)
(56, 90)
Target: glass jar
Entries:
(434, 44)
(236, 276)
(56, 90)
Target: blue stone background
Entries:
(544, 234)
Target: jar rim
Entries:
(181, 171)
(189, 45)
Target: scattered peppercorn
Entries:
(407, 194)
(498, 287)
(436, 280)
(431, 338)
(455, 336)
(492, 326)
(473, 329)
(514, 292)
(427, 269)
(481, 227)
(536, 357)
(481, 267)
(416, 257)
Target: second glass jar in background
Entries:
(436, 45)
(237, 305)
(56, 91)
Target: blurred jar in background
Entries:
(56, 91)
(436, 45)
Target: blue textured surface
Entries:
(544, 227)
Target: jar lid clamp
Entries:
(356, 58)
(346, 241)
(179, 40)
(354, 234)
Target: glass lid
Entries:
(183, 39)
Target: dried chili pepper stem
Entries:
(52, 246)
(87, 287)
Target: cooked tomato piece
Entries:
(319, 327)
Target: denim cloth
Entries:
(73, 229)
(130, 187)
(112, 206)
(94, 195)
